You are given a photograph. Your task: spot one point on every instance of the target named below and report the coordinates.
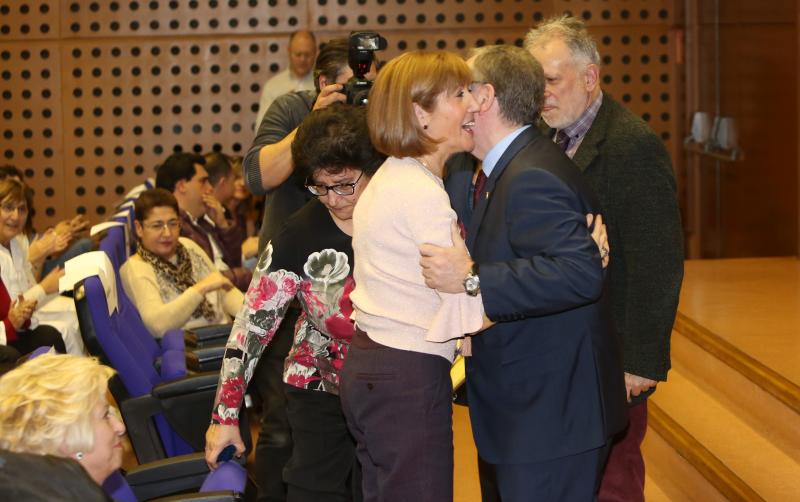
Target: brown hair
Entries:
(150, 199)
(414, 77)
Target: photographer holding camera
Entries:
(269, 169)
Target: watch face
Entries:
(472, 284)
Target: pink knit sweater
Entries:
(403, 207)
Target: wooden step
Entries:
(767, 401)
(670, 458)
(736, 459)
(654, 493)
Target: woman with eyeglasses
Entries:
(33, 313)
(170, 279)
(310, 260)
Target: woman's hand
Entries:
(78, 224)
(50, 283)
(217, 438)
(21, 311)
(213, 282)
(42, 247)
(600, 237)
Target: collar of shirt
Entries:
(497, 150)
(578, 129)
(191, 218)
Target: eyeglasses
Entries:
(159, 226)
(340, 189)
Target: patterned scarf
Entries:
(178, 277)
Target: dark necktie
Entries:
(480, 182)
(562, 140)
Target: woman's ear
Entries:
(323, 81)
(139, 230)
(423, 116)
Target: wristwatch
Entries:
(472, 283)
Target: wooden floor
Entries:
(753, 303)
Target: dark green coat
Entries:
(629, 168)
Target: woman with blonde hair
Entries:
(57, 405)
(395, 384)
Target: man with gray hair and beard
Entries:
(628, 167)
(544, 384)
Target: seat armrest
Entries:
(205, 359)
(184, 386)
(173, 467)
(220, 496)
(174, 476)
(205, 335)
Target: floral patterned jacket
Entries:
(310, 260)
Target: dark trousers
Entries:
(274, 445)
(397, 405)
(323, 464)
(567, 479)
(623, 479)
(27, 342)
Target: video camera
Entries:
(363, 44)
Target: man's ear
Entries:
(323, 81)
(485, 97)
(591, 77)
(423, 116)
(180, 186)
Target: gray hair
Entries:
(517, 78)
(572, 32)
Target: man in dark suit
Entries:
(544, 384)
(628, 167)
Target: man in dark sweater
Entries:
(269, 169)
(629, 168)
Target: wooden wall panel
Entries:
(749, 208)
(131, 81)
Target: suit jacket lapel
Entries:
(480, 209)
(458, 184)
(589, 147)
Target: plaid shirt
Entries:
(578, 129)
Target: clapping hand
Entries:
(21, 310)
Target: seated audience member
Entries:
(170, 279)
(222, 176)
(17, 273)
(58, 244)
(16, 337)
(56, 405)
(202, 217)
(311, 260)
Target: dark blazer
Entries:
(546, 381)
(230, 242)
(628, 167)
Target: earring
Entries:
(79, 455)
(425, 126)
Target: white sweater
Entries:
(403, 207)
(163, 309)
